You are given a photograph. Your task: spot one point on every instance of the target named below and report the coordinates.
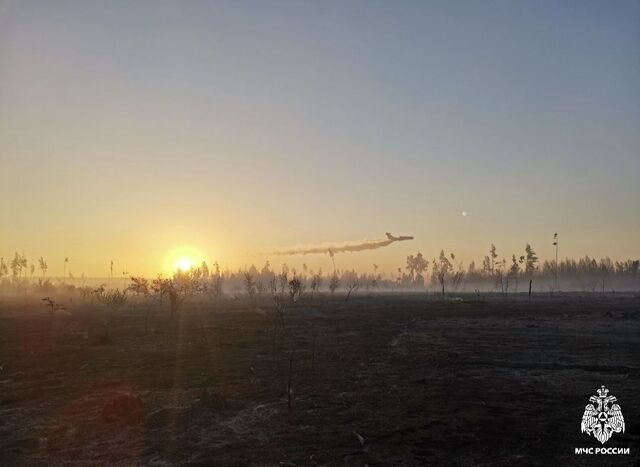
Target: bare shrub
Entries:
(114, 299)
(52, 305)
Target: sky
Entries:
(138, 131)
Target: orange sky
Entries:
(129, 132)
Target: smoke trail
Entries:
(332, 249)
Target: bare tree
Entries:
(530, 260)
(249, 284)
(43, 266)
(351, 288)
(417, 265)
(316, 283)
(23, 264)
(160, 287)
(205, 270)
(176, 297)
(443, 269)
(217, 280)
(486, 266)
(556, 268)
(334, 282)
(514, 270)
(139, 285)
(278, 300)
(499, 267)
(4, 271)
(295, 289)
(16, 266)
(492, 256)
(456, 280)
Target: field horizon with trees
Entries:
(442, 274)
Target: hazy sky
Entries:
(129, 129)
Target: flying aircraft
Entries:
(398, 239)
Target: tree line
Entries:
(443, 272)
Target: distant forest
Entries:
(442, 274)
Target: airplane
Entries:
(398, 239)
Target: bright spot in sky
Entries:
(182, 258)
(184, 264)
(464, 213)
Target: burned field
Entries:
(380, 380)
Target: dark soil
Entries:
(382, 380)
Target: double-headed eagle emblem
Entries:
(602, 420)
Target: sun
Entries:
(182, 258)
(184, 264)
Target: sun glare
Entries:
(184, 264)
(183, 258)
